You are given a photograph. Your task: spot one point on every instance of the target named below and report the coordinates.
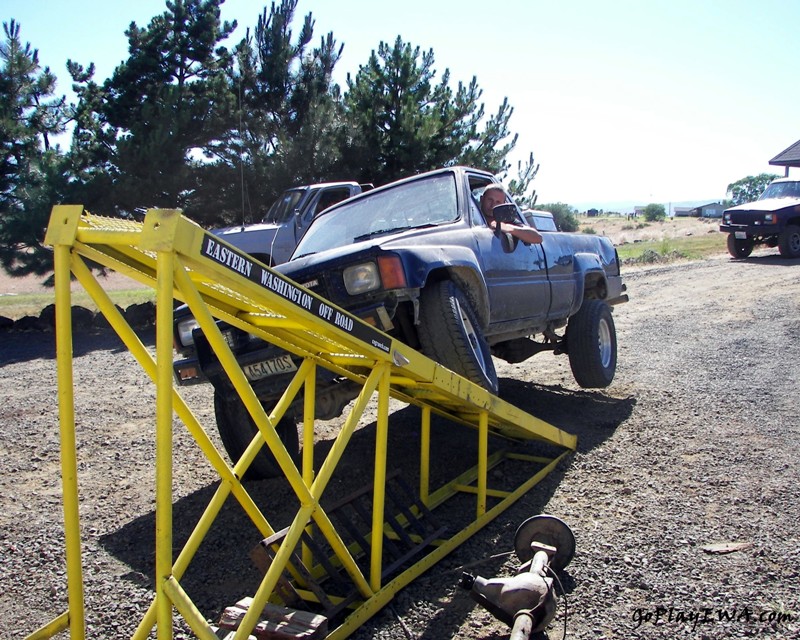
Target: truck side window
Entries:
(476, 190)
(330, 198)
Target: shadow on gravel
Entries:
(24, 346)
(591, 415)
(222, 572)
(776, 260)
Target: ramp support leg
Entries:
(425, 457)
(164, 443)
(69, 461)
(483, 457)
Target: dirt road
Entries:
(696, 442)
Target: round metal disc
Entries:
(548, 530)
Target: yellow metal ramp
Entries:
(325, 564)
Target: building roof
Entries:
(789, 157)
(703, 206)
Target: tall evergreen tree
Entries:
(288, 114)
(92, 155)
(401, 121)
(520, 187)
(30, 170)
(169, 98)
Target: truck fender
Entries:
(590, 279)
(454, 263)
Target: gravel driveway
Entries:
(695, 443)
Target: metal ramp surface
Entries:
(345, 570)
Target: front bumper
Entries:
(744, 231)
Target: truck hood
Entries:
(259, 227)
(770, 204)
(320, 261)
(398, 240)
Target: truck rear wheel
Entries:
(739, 248)
(592, 345)
(236, 429)
(789, 242)
(450, 334)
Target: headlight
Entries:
(770, 218)
(185, 328)
(361, 278)
(726, 218)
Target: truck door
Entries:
(561, 271)
(516, 279)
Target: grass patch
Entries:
(689, 247)
(31, 304)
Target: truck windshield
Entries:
(283, 208)
(418, 203)
(781, 190)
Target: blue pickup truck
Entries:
(417, 260)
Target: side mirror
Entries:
(505, 213)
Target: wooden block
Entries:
(227, 634)
(277, 623)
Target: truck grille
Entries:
(317, 285)
(744, 217)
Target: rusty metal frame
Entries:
(182, 261)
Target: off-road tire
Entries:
(739, 248)
(592, 345)
(789, 242)
(450, 333)
(236, 429)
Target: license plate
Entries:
(740, 235)
(271, 367)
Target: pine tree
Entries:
(401, 121)
(287, 119)
(170, 99)
(30, 170)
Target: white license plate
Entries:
(740, 235)
(271, 367)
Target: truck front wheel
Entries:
(739, 248)
(450, 334)
(789, 242)
(237, 428)
(592, 345)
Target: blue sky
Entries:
(619, 101)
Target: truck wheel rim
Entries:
(794, 242)
(472, 338)
(604, 343)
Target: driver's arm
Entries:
(529, 235)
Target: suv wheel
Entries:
(450, 334)
(739, 248)
(789, 242)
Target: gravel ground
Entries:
(695, 443)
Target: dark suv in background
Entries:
(773, 220)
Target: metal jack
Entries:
(527, 602)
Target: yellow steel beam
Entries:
(52, 628)
(379, 481)
(69, 461)
(164, 442)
